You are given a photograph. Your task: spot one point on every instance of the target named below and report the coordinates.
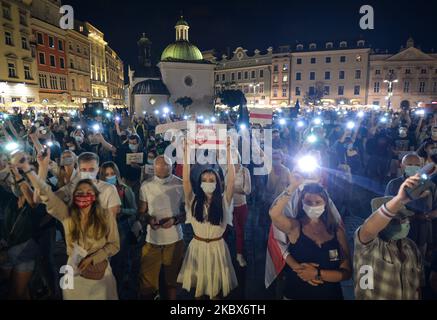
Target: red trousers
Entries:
(240, 218)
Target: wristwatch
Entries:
(319, 275)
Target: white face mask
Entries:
(88, 175)
(163, 180)
(208, 187)
(313, 212)
(433, 151)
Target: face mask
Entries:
(53, 181)
(433, 151)
(276, 163)
(123, 137)
(150, 160)
(84, 201)
(72, 148)
(208, 187)
(313, 212)
(434, 133)
(133, 147)
(88, 175)
(112, 180)
(67, 161)
(411, 170)
(402, 134)
(79, 139)
(397, 232)
(162, 180)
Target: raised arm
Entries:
(188, 189)
(382, 216)
(230, 183)
(24, 186)
(282, 222)
(106, 145)
(55, 206)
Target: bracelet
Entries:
(383, 212)
(20, 181)
(27, 172)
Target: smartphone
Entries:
(424, 184)
(44, 151)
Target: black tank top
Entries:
(328, 256)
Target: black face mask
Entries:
(123, 137)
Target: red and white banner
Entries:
(208, 136)
(261, 116)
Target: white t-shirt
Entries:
(108, 194)
(163, 201)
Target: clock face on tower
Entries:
(240, 55)
(188, 81)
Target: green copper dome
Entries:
(181, 50)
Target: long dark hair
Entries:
(215, 211)
(327, 217)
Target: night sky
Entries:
(251, 24)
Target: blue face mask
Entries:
(133, 147)
(397, 232)
(112, 180)
(411, 170)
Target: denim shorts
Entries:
(22, 257)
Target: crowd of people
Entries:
(96, 191)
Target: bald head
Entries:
(162, 167)
(411, 159)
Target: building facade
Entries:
(18, 67)
(335, 74)
(115, 77)
(99, 81)
(410, 75)
(280, 78)
(78, 64)
(51, 52)
(249, 73)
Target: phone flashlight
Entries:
(312, 138)
(361, 114)
(307, 164)
(282, 122)
(12, 147)
(300, 124)
(350, 125)
(96, 128)
(317, 121)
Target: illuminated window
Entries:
(12, 70)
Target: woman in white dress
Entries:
(207, 266)
(87, 227)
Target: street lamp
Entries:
(390, 82)
(254, 86)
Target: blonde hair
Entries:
(97, 226)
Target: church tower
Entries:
(182, 28)
(145, 51)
